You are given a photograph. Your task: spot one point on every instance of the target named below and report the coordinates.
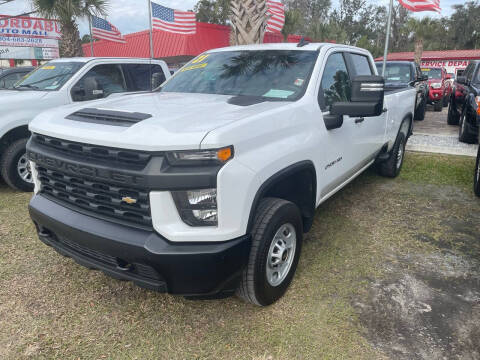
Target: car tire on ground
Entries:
(276, 245)
(464, 134)
(15, 168)
(420, 113)
(452, 117)
(476, 179)
(392, 167)
(445, 101)
(438, 106)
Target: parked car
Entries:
(476, 178)
(439, 87)
(9, 77)
(402, 74)
(464, 106)
(61, 82)
(208, 185)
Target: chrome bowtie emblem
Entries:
(129, 200)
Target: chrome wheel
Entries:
(281, 254)
(400, 154)
(463, 125)
(23, 169)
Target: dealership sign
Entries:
(29, 27)
(11, 52)
(27, 41)
(452, 66)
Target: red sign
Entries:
(29, 27)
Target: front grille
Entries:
(96, 197)
(130, 159)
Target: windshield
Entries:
(271, 74)
(49, 77)
(432, 73)
(396, 73)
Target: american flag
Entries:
(174, 21)
(276, 10)
(421, 5)
(102, 29)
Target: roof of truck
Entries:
(88, 59)
(283, 46)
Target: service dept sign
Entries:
(452, 66)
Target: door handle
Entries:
(359, 120)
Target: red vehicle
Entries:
(439, 85)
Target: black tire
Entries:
(438, 106)
(476, 178)
(9, 166)
(445, 101)
(464, 134)
(271, 215)
(420, 113)
(392, 167)
(452, 117)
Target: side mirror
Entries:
(462, 80)
(423, 78)
(367, 98)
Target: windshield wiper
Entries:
(29, 86)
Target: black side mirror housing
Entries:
(423, 78)
(367, 98)
(462, 80)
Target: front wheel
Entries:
(452, 117)
(15, 167)
(438, 106)
(476, 180)
(276, 244)
(420, 113)
(464, 134)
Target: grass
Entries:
(52, 308)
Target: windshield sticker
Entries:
(281, 94)
(193, 67)
(51, 67)
(299, 82)
(426, 69)
(200, 59)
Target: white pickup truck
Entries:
(208, 185)
(61, 82)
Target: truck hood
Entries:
(178, 121)
(9, 98)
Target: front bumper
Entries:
(141, 256)
(435, 95)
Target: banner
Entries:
(30, 27)
(452, 66)
(28, 41)
(25, 53)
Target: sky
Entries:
(132, 15)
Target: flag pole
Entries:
(389, 25)
(152, 55)
(91, 38)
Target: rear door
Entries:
(369, 131)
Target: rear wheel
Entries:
(276, 244)
(464, 134)
(476, 180)
(420, 113)
(393, 166)
(15, 167)
(452, 117)
(445, 101)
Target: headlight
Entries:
(200, 157)
(436, 85)
(197, 207)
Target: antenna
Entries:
(303, 42)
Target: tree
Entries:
(249, 21)
(213, 12)
(86, 39)
(67, 12)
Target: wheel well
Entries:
(13, 135)
(298, 184)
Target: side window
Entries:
(99, 82)
(144, 77)
(9, 80)
(361, 65)
(335, 85)
(469, 72)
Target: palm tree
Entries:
(67, 12)
(249, 21)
